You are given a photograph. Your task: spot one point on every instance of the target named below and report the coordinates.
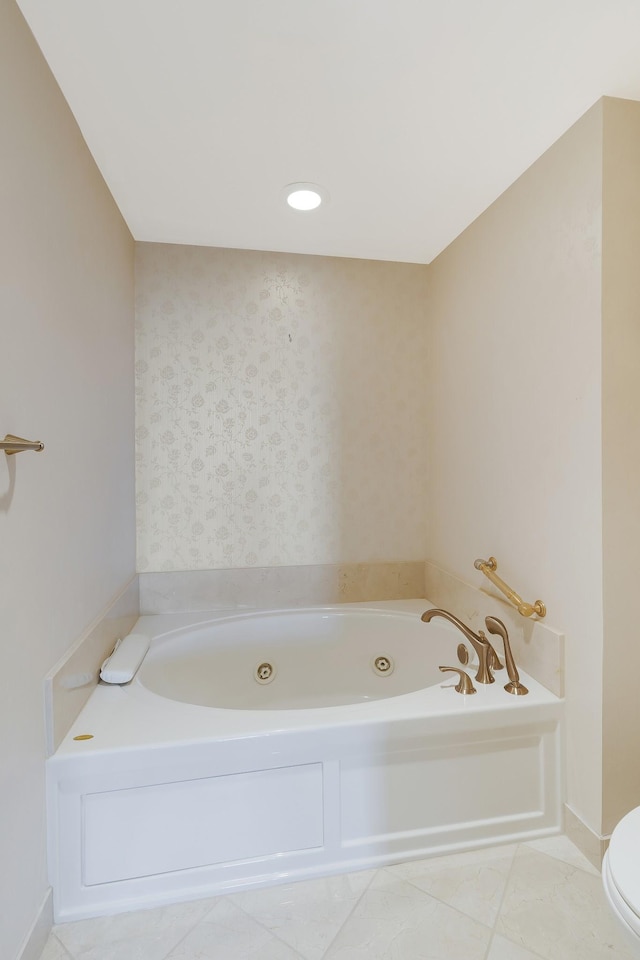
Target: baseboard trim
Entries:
(591, 844)
(37, 937)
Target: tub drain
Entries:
(265, 673)
(383, 666)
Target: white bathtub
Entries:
(315, 658)
(198, 779)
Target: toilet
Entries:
(621, 877)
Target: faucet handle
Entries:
(514, 686)
(465, 684)
(493, 660)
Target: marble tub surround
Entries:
(274, 587)
(540, 900)
(70, 682)
(537, 647)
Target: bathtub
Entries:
(255, 748)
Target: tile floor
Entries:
(531, 901)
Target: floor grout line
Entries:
(213, 901)
(576, 866)
(449, 905)
(328, 947)
(349, 915)
(526, 947)
(504, 891)
(64, 949)
(500, 905)
(444, 903)
(268, 929)
(506, 886)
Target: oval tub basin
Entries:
(318, 658)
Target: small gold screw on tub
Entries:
(84, 736)
(465, 685)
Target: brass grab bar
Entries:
(12, 445)
(489, 568)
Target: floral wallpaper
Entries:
(280, 406)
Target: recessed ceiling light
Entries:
(305, 196)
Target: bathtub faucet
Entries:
(488, 659)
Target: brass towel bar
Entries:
(12, 445)
(489, 568)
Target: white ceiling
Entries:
(413, 114)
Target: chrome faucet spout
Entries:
(487, 656)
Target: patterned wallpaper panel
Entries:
(280, 409)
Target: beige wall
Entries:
(514, 415)
(278, 409)
(621, 458)
(66, 515)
